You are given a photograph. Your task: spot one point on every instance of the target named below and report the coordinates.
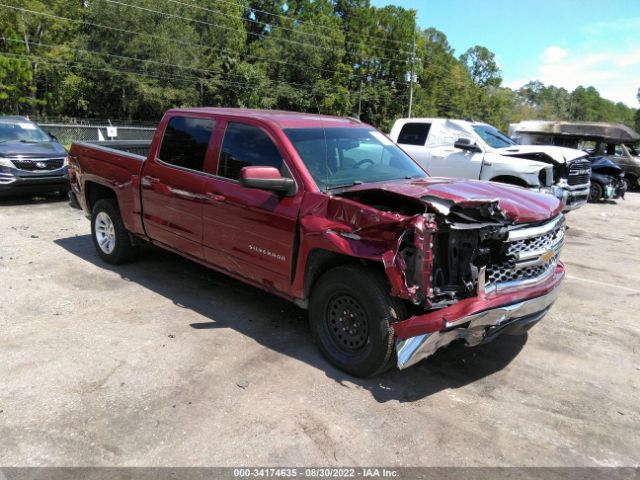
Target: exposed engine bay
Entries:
(450, 251)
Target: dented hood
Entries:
(518, 204)
(548, 153)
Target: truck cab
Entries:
(476, 150)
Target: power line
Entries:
(165, 64)
(36, 58)
(223, 27)
(280, 27)
(188, 44)
(193, 80)
(343, 30)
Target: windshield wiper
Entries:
(336, 187)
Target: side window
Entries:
(245, 146)
(185, 142)
(414, 134)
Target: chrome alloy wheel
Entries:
(105, 233)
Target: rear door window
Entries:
(414, 134)
(185, 142)
(244, 146)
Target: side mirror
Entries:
(53, 137)
(267, 178)
(465, 144)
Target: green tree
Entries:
(482, 66)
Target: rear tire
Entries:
(632, 183)
(351, 312)
(595, 192)
(110, 239)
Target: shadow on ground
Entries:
(16, 200)
(281, 326)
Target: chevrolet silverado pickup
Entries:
(329, 213)
(475, 150)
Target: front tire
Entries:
(595, 192)
(110, 238)
(351, 312)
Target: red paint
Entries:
(435, 321)
(261, 173)
(266, 239)
(519, 204)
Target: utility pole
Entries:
(360, 102)
(411, 77)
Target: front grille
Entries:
(579, 173)
(38, 164)
(534, 254)
(509, 272)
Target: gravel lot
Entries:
(163, 362)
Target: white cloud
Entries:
(614, 73)
(554, 54)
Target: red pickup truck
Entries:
(330, 214)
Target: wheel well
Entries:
(95, 191)
(510, 180)
(321, 261)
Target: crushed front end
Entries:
(572, 183)
(471, 273)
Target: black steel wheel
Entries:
(351, 312)
(347, 323)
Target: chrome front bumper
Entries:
(572, 196)
(479, 328)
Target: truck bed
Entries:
(116, 165)
(138, 148)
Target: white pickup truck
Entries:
(465, 149)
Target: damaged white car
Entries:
(474, 150)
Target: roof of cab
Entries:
(282, 119)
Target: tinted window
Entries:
(185, 142)
(414, 133)
(244, 146)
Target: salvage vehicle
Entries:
(475, 150)
(607, 180)
(31, 160)
(329, 213)
(614, 141)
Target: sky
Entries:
(566, 43)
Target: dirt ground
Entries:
(164, 363)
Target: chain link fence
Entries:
(95, 130)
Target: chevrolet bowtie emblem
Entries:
(547, 256)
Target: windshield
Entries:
(26, 132)
(493, 137)
(341, 157)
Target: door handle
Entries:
(215, 197)
(149, 181)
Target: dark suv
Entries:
(31, 160)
